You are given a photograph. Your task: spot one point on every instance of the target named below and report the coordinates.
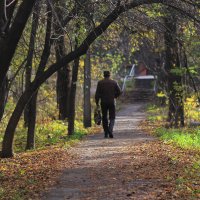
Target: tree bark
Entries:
(32, 105)
(28, 66)
(30, 144)
(7, 145)
(87, 86)
(174, 80)
(63, 90)
(9, 43)
(63, 75)
(3, 97)
(72, 97)
(6, 14)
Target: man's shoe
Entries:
(111, 136)
(106, 136)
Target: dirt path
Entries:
(114, 169)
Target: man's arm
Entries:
(97, 94)
(118, 90)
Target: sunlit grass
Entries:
(50, 133)
(185, 138)
(188, 138)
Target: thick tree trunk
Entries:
(63, 75)
(72, 97)
(5, 18)
(2, 18)
(87, 86)
(175, 93)
(7, 145)
(6, 14)
(8, 44)
(30, 144)
(63, 81)
(63, 89)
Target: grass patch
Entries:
(49, 133)
(184, 138)
(187, 138)
(155, 113)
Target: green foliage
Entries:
(19, 194)
(160, 95)
(130, 85)
(156, 113)
(49, 133)
(178, 71)
(2, 192)
(185, 138)
(188, 138)
(193, 70)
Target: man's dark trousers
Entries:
(108, 108)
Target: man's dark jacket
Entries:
(107, 91)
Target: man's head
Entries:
(106, 74)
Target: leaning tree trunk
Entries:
(87, 86)
(174, 79)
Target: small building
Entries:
(145, 82)
(143, 79)
(141, 69)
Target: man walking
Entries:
(107, 91)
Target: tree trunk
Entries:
(32, 105)
(8, 45)
(3, 97)
(63, 75)
(63, 89)
(174, 79)
(28, 66)
(5, 19)
(72, 98)
(63, 81)
(30, 144)
(87, 86)
(7, 145)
